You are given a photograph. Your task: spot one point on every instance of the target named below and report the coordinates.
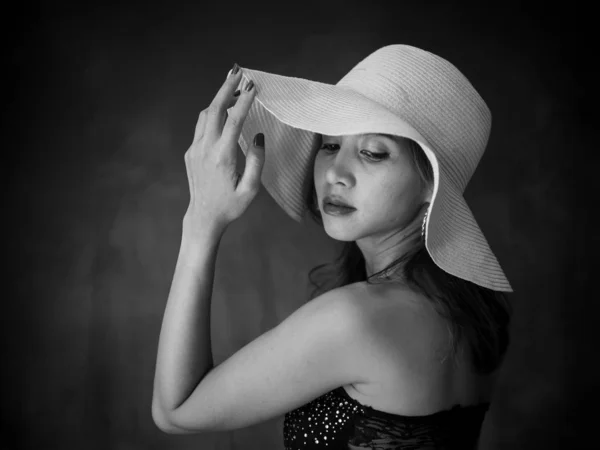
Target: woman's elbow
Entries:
(161, 421)
(164, 424)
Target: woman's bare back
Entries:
(408, 370)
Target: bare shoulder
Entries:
(344, 303)
(400, 322)
(406, 355)
(397, 305)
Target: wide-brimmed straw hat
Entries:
(398, 90)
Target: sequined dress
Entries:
(337, 421)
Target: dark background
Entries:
(100, 103)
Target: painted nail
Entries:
(259, 140)
(235, 69)
(249, 86)
(236, 93)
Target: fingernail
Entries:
(236, 93)
(259, 140)
(249, 86)
(235, 69)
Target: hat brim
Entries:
(292, 112)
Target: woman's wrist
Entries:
(198, 240)
(200, 231)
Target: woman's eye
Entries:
(376, 156)
(327, 147)
(371, 155)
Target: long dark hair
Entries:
(477, 314)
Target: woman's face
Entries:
(374, 174)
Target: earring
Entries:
(424, 222)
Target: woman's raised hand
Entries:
(218, 195)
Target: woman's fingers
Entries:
(218, 107)
(200, 124)
(237, 116)
(232, 103)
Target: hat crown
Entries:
(434, 97)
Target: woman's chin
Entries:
(339, 232)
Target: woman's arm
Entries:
(217, 197)
(309, 353)
(184, 348)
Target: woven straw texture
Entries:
(398, 90)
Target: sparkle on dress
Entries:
(337, 421)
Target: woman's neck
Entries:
(379, 254)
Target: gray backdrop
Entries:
(100, 104)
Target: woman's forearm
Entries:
(184, 349)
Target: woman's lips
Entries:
(337, 210)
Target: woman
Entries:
(401, 348)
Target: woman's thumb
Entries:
(257, 155)
(255, 158)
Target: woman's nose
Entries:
(339, 169)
